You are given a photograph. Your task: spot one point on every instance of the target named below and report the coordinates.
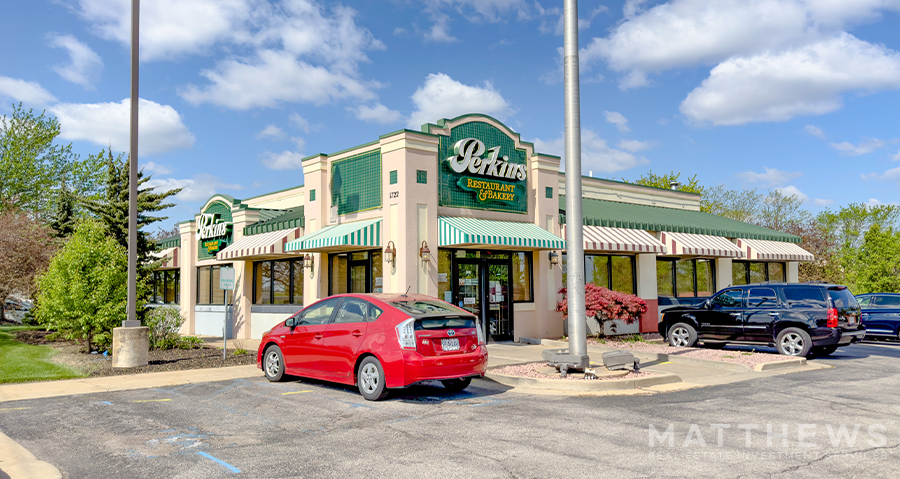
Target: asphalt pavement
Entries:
(839, 421)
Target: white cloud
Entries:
(84, 65)
(617, 119)
(173, 28)
(822, 202)
(160, 127)
(286, 160)
(896, 156)
(444, 97)
(156, 168)
(27, 92)
(376, 113)
(271, 78)
(814, 131)
(808, 80)
(770, 177)
(634, 146)
(440, 31)
(301, 122)
(867, 146)
(198, 188)
(596, 155)
(891, 175)
(300, 142)
(873, 202)
(491, 10)
(271, 132)
(792, 190)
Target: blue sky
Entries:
(800, 95)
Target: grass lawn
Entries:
(24, 362)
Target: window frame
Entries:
(746, 266)
(293, 263)
(674, 276)
(370, 269)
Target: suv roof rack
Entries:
(816, 282)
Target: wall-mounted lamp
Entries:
(554, 258)
(390, 253)
(308, 261)
(424, 252)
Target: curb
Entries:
(596, 385)
(19, 463)
(775, 365)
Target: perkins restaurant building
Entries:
(465, 211)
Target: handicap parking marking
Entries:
(231, 468)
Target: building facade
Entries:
(463, 210)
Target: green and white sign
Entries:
(214, 229)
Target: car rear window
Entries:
(425, 307)
(444, 323)
(804, 297)
(887, 302)
(842, 298)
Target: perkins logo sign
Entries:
(467, 158)
(210, 226)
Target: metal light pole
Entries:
(132, 164)
(575, 357)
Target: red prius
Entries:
(378, 342)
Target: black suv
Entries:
(798, 319)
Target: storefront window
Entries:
(338, 274)
(278, 282)
(611, 272)
(208, 291)
(445, 292)
(166, 287)
(685, 278)
(596, 270)
(622, 274)
(745, 272)
(377, 280)
(521, 269)
(358, 272)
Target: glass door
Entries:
(468, 288)
(499, 300)
(482, 287)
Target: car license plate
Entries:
(451, 344)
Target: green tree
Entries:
(65, 218)
(740, 205)
(84, 292)
(112, 209)
(33, 168)
(876, 264)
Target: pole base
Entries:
(561, 359)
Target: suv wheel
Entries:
(793, 342)
(682, 335)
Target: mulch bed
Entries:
(72, 354)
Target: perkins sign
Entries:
(210, 226)
(467, 158)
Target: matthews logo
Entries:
(467, 158)
(210, 226)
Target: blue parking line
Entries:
(228, 466)
(107, 402)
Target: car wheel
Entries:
(824, 350)
(456, 385)
(370, 379)
(793, 342)
(273, 363)
(682, 335)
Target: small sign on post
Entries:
(226, 282)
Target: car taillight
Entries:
(832, 318)
(406, 334)
(480, 333)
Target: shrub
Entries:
(164, 324)
(605, 305)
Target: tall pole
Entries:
(133, 163)
(574, 233)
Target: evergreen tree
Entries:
(65, 219)
(112, 209)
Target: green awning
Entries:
(346, 236)
(457, 231)
(655, 218)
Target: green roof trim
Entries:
(635, 184)
(655, 218)
(170, 242)
(284, 220)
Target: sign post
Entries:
(226, 282)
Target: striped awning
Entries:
(169, 257)
(699, 245)
(457, 231)
(605, 238)
(356, 235)
(773, 250)
(264, 244)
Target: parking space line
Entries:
(14, 408)
(228, 466)
(296, 392)
(152, 400)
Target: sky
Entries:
(802, 96)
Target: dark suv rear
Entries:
(798, 319)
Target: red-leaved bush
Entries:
(606, 305)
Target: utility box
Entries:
(618, 360)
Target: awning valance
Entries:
(356, 235)
(773, 250)
(169, 257)
(699, 245)
(457, 231)
(604, 238)
(270, 243)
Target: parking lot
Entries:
(253, 428)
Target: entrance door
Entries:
(359, 277)
(482, 287)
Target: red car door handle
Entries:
(318, 336)
(356, 333)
